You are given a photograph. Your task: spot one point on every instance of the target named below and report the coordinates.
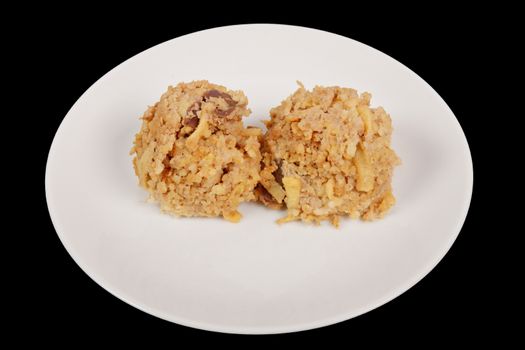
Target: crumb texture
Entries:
(327, 154)
(193, 154)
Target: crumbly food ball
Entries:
(327, 154)
(193, 154)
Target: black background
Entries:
(71, 48)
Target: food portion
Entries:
(327, 154)
(193, 154)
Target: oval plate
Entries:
(255, 276)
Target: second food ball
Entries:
(327, 154)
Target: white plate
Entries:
(255, 276)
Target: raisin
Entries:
(191, 122)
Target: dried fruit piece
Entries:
(202, 131)
(217, 94)
(226, 97)
(192, 122)
(276, 191)
(366, 115)
(292, 186)
(365, 175)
